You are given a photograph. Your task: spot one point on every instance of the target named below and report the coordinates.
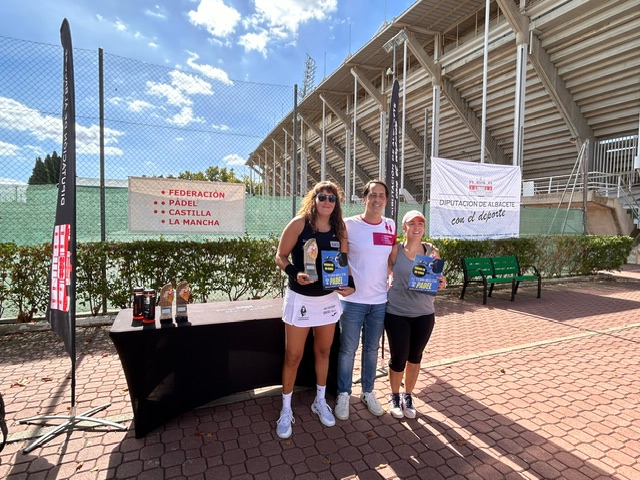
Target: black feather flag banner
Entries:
(392, 176)
(61, 310)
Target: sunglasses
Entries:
(323, 196)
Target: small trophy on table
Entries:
(182, 300)
(166, 302)
(310, 250)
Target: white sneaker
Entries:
(283, 425)
(342, 406)
(370, 400)
(323, 411)
(395, 409)
(407, 406)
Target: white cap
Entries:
(411, 214)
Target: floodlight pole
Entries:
(484, 80)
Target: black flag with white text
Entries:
(392, 177)
(61, 309)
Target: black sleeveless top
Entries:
(326, 241)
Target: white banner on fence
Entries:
(185, 206)
(474, 201)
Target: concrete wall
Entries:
(605, 215)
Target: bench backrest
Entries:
(505, 266)
(471, 267)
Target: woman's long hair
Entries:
(309, 212)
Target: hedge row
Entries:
(244, 268)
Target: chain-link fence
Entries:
(155, 121)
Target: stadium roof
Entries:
(582, 82)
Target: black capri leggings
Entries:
(407, 338)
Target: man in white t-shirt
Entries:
(371, 237)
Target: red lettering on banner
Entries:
(196, 193)
(60, 268)
(183, 203)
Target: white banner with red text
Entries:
(170, 205)
(474, 201)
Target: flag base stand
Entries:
(70, 424)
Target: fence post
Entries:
(103, 228)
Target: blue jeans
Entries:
(356, 318)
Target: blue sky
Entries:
(209, 44)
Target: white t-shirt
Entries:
(369, 249)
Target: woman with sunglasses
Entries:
(307, 305)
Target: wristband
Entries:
(351, 283)
(291, 271)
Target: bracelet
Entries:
(351, 283)
(291, 271)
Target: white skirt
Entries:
(304, 311)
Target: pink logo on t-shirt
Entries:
(384, 239)
(388, 227)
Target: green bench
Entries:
(496, 270)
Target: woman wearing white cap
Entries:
(410, 316)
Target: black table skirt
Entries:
(225, 348)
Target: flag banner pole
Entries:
(392, 176)
(61, 311)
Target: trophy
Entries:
(182, 299)
(310, 250)
(166, 302)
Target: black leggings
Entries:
(407, 338)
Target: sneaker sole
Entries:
(377, 414)
(396, 415)
(287, 433)
(409, 415)
(340, 417)
(315, 410)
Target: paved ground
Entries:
(537, 389)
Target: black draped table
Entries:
(225, 348)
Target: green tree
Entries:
(46, 171)
(217, 174)
(212, 174)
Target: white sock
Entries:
(320, 389)
(286, 401)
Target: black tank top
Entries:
(326, 241)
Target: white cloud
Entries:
(9, 149)
(173, 94)
(280, 21)
(16, 116)
(88, 140)
(36, 150)
(157, 12)
(234, 159)
(120, 25)
(11, 181)
(255, 41)
(291, 13)
(221, 128)
(152, 44)
(185, 117)
(139, 105)
(190, 84)
(208, 70)
(219, 19)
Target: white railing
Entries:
(604, 184)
